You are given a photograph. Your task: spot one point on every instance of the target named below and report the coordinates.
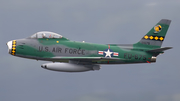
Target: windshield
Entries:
(46, 34)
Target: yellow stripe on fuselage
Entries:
(13, 51)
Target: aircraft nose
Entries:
(9, 44)
(11, 47)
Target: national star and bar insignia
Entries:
(108, 53)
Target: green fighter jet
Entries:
(72, 56)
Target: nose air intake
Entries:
(9, 44)
(11, 47)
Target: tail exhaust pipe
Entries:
(153, 59)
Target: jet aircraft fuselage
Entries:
(83, 56)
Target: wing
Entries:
(88, 59)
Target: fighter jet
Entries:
(72, 56)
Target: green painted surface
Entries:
(46, 48)
(152, 32)
(30, 51)
(127, 56)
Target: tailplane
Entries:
(158, 50)
(155, 37)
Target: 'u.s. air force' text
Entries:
(62, 50)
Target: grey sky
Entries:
(98, 21)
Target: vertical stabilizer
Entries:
(155, 37)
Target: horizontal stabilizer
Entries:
(159, 49)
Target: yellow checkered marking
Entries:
(150, 37)
(161, 38)
(146, 37)
(13, 51)
(156, 38)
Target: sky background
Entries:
(94, 21)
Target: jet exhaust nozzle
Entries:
(153, 59)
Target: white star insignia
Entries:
(108, 53)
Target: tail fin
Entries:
(155, 37)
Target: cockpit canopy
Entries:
(45, 34)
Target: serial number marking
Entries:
(136, 56)
(146, 43)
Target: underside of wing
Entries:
(88, 59)
(85, 58)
